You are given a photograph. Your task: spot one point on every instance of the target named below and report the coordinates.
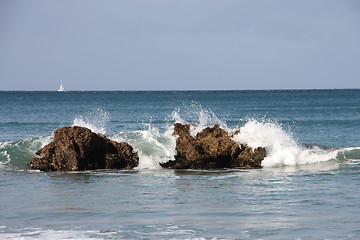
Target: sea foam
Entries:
(281, 147)
(152, 146)
(155, 146)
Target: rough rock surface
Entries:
(78, 148)
(212, 148)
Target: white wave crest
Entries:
(281, 148)
(152, 146)
(16, 155)
(96, 121)
(155, 146)
(37, 233)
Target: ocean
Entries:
(308, 188)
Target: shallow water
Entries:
(320, 202)
(301, 194)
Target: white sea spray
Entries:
(199, 118)
(156, 145)
(282, 149)
(152, 146)
(96, 121)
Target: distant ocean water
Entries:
(308, 188)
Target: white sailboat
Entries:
(61, 88)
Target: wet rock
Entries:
(78, 149)
(250, 158)
(212, 148)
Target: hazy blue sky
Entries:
(179, 44)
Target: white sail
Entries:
(61, 89)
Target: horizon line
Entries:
(188, 90)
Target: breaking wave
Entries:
(156, 146)
(16, 155)
(283, 150)
(152, 146)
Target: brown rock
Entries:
(78, 148)
(250, 158)
(211, 149)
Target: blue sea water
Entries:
(302, 192)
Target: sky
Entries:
(179, 44)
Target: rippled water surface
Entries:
(301, 193)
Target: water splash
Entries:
(152, 146)
(155, 146)
(176, 117)
(96, 121)
(198, 117)
(281, 147)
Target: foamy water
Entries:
(155, 146)
(282, 149)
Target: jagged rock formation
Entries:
(78, 148)
(212, 148)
